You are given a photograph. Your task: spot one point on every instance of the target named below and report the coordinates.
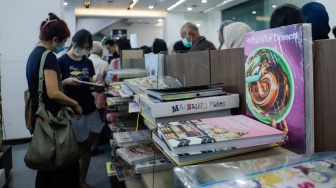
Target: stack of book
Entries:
(196, 141)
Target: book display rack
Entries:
(226, 69)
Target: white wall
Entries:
(330, 6)
(171, 28)
(19, 34)
(214, 22)
(145, 34)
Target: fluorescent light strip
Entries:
(176, 4)
(132, 4)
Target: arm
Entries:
(54, 93)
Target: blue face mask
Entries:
(186, 43)
(59, 49)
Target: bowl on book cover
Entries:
(269, 85)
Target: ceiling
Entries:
(142, 5)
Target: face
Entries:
(82, 50)
(111, 49)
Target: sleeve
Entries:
(61, 63)
(51, 62)
(91, 68)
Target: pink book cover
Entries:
(220, 129)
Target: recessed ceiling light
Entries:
(65, 3)
(151, 7)
(140, 20)
(204, 1)
(159, 20)
(198, 25)
(274, 6)
(233, 18)
(254, 12)
(189, 8)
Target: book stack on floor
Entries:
(195, 141)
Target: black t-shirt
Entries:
(82, 70)
(32, 73)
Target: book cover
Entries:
(187, 93)
(110, 170)
(153, 165)
(203, 156)
(315, 171)
(154, 64)
(139, 153)
(158, 108)
(132, 137)
(126, 173)
(216, 133)
(114, 101)
(140, 85)
(274, 76)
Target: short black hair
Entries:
(179, 47)
(81, 37)
(159, 45)
(286, 14)
(110, 42)
(334, 31)
(123, 44)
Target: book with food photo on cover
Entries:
(277, 92)
(216, 133)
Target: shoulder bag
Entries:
(53, 145)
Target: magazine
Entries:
(130, 138)
(216, 133)
(140, 85)
(153, 165)
(139, 153)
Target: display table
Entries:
(164, 179)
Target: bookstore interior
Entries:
(258, 116)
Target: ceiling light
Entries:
(204, 1)
(274, 6)
(176, 4)
(132, 4)
(189, 8)
(254, 12)
(198, 25)
(87, 3)
(159, 20)
(151, 7)
(65, 4)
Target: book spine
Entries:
(164, 109)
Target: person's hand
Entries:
(79, 110)
(71, 81)
(282, 126)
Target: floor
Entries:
(23, 177)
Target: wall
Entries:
(19, 34)
(145, 34)
(214, 22)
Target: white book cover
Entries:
(156, 108)
(154, 64)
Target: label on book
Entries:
(227, 130)
(274, 76)
(157, 108)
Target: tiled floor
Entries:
(23, 177)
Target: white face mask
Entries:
(81, 52)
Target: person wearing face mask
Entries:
(54, 32)
(75, 64)
(220, 34)
(192, 39)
